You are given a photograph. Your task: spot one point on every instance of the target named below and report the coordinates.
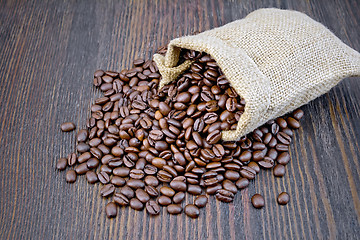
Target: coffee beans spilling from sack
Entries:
(149, 147)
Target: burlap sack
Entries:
(277, 60)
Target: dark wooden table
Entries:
(48, 53)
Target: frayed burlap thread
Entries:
(277, 60)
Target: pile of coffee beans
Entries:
(149, 147)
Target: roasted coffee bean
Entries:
(232, 175)
(151, 181)
(136, 204)
(127, 191)
(142, 195)
(103, 177)
(84, 157)
(91, 177)
(70, 176)
(107, 190)
(111, 210)
(192, 211)
(257, 201)
(167, 191)
(81, 168)
(152, 191)
(224, 195)
(82, 147)
(254, 166)
(267, 162)
(229, 185)
(283, 158)
(201, 201)
(247, 172)
(279, 170)
(121, 199)
(71, 159)
(135, 183)
(283, 198)
(242, 183)
(179, 186)
(118, 181)
(121, 171)
(213, 189)
(174, 209)
(67, 126)
(179, 197)
(298, 114)
(150, 169)
(61, 164)
(137, 174)
(194, 189)
(152, 207)
(82, 135)
(283, 138)
(164, 200)
(292, 122)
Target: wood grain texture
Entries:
(49, 51)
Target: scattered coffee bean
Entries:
(140, 137)
(174, 209)
(111, 210)
(67, 126)
(283, 198)
(201, 201)
(70, 176)
(257, 201)
(61, 164)
(192, 211)
(279, 170)
(152, 207)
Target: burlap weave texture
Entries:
(277, 60)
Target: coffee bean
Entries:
(81, 168)
(179, 186)
(192, 211)
(242, 183)
(201, 201)
(257, 201)
(107, 190)
(267, 162)
(136, 204)
(247, 172)
(283, 198)
(82, 147)
(82, 135)
(111, 210)
(142, 195)
(121, 199)
(91, 177)
(283, 158)
(70, 176)
(224, 195)
(167, 191)
(179, 197)
(135, 183)
(298, 114)
(174, 209)
(103, 177)
(164, 200)
(71, 159)
(61, 164)
(293, 123)
(67, 126)
(194, 189)
(230, 186)
(118, 181)
(279, 170)
(127, 191)
(152, 207)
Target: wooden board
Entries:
(49, 51)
